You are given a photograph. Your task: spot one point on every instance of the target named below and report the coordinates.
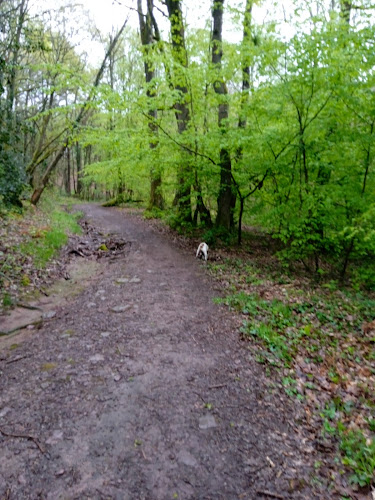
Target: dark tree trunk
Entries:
(345, 10)
(227, 197)
(79, 168)
(201, 209)
(245, 63)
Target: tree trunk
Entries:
(227, 198)
(79, 168)
(182, 199)
(246, 39)
(146, 23)
(68, 173)
(11, 83)
(44, 181)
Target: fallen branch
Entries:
(24, 436)
(14, 360)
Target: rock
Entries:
(22, 479)
(105, 334)
(186, 458)
(120, 309)
(96, 358)
(4, 411)
(56, 437)
(207, 422)
(120, 281)
(49, 314)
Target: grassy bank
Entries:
(29, 245)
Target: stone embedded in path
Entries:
(105, 334)
(120, 309)
(49, 314)
(186, 458)
(207, 422)
(96, 358)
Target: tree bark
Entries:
(182, 112)
(246, 39)
(11, 84)
(227, 198)
(79, 168)
(146, 24)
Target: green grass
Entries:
(46, 243)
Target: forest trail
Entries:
(139, 388)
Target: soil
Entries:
(135, 385)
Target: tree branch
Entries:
(202, 155)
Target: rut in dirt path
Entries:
(140, 389)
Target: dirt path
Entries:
(140, 389)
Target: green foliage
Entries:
(358, 453)
(12, 170)
(45, 244)
(309, 131)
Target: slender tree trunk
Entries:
(12, 75)
(227, 197)
(44, 181)
(146, 24)
(246, 39)
(345, 10)
(185, 176)
(79, 168)
(201, 209)
(68, 173)
(30, 169)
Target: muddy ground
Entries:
(135, 385)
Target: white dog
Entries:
(202, 251)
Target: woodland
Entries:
(260, 143)
(273, 131)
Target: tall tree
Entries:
(181, 105)
(149, 33)
(226, 199)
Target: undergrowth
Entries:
(29, 240)
(321, 342)
(46, 240)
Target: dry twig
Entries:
(24, 436)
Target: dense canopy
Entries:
(274, 129)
